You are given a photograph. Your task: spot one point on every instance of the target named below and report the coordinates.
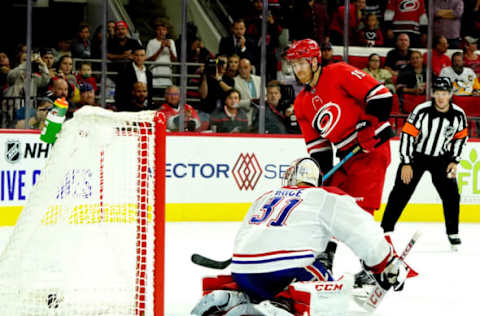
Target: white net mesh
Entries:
(83, 244)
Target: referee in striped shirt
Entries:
(432, 140)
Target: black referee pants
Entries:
(446, 188)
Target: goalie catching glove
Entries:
(391, 272)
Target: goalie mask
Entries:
(303, 170)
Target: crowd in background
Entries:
(226, 86)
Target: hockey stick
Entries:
(210, 263)
(384, 132)
(378, 293)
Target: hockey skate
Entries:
(455, 241)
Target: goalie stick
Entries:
(378, 293)
(210, 263)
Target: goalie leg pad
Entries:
(219, 301)
(322, 298)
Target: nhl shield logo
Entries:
(12, 151)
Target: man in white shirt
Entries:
(248, 85)
(463, 79)
(162, 50)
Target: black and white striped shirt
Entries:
(433, 133)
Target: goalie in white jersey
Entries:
(286, 229)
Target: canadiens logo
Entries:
(409, 5)
(327, 118)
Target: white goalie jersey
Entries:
(288, 228)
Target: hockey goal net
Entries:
(90, 239)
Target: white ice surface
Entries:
(447, 285)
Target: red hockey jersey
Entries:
(406, 15)
(330, 111)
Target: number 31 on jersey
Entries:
(275, 211)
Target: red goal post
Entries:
(90, 239)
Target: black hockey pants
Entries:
(446, 188)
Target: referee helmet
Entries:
(443, 84)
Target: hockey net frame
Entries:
(141, 217)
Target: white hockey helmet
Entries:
(303, 170)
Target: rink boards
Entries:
(214, 177)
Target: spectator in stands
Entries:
(356, 15)
(134, 72)
(171, 109)
(376, 7)
(4, 70)
(121, 47)
(471, 58)
(59, 89)
(238, 43)
(412, 79)
(230, 118)
(274, 116)
(232, 66)
(464, 80)
(406, 17)
(447, 20)
(49, 59)
(197, 52)
(64, 70)
(87, 94)
(471, 18)
(315, 21)
(111, 29)
(370, 35)
(248, 85)
(254, 31)
(399, 57)
(139, 99)
(64, 49)
(37, 121)
(85, 75)
(13, 107)
(81, 45)
(439, 58)
(96, 45)
(161, 49)
(214, 86)
(382, 75)
(327, 54)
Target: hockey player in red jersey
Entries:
(342, 106)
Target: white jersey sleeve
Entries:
(355, 227)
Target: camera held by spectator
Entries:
(212, 66)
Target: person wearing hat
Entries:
(443, 126)
(470, 57)
(327, 54)
(121, 46)
(48, 57)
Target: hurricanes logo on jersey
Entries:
(409, 5)
(327, 118)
